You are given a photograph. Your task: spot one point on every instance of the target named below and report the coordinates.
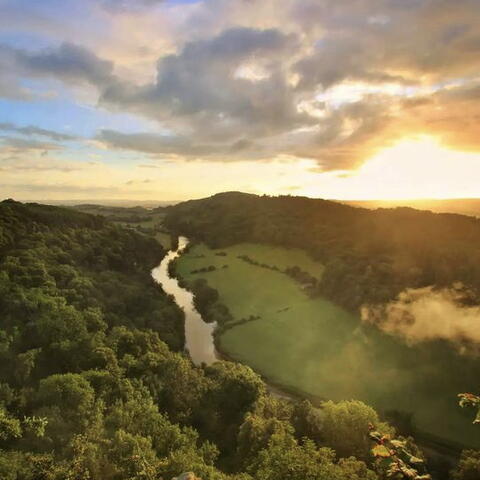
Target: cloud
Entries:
(39, 168)
(149, 166)
(199, 93)
(153, 143)
(427, 314)
(378, 38)
(16, 163)
(259, 79)
(23, 144)
(9, 87)
(126, 5)
(138, 182)
(32, 130)
(63, 188)
(183, 146)
(197, 89)
(338, 58)
(68, 62)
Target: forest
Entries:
(94, 383)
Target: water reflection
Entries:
(198, 334)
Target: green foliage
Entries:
(204, 296)
(395, 459)
(91, 387)
(345, 426)
(468, 467)
(470, 400)
(10, 427)
(285, 458)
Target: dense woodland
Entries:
(93, 384)
(370, 256)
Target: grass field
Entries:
(315, 347)
(247, 289)
(165, 239)
(146, 225)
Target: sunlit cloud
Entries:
(413, 168)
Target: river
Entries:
(198, 334)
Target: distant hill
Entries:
(463, 206)
(126, 203)
(370, 255)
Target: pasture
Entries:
(311, 346)
(141, 219)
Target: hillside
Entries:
(140, 219)
(370, 256)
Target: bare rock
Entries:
(187, 476)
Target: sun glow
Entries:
(414, 168)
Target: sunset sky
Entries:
(177, 99)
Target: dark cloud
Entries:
(32, 130)
(155, 144)
(199, 88)
(68, 62)
(381, 41)
(338, 58)
(126, 5)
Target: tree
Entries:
(285, 459)
(395, 460)
(468, 467)
(345, 427)
(67, 402)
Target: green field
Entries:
(140, 219)
(246, 289)
(165, 239)
(315, 347)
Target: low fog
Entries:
(424, 314)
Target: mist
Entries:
(424, 314)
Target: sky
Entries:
(162, 100)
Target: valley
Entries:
(250, 307)
(314, 348)
(239, 240)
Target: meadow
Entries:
(313, 347)
(139, 219)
